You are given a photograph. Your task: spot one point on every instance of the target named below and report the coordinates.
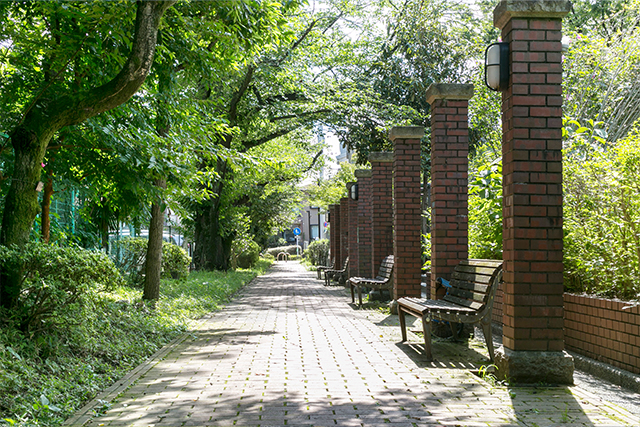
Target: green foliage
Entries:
(244, 253)
(602, 221)
(329, 191)
(485, 210)
(274, 241)
(175, 261)
(131, 256)
(317, 252)
(46, 377)
(54, 279)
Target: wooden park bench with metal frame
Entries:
(323, 268)
(469, 299)
(337, 275)
(380, 282)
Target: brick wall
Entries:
(407, 221)
(354, 263)
(364, 223)
(344, 229)
(449, 178)
(602, 330)
(334, 217)
(381, 207)
(532, 182)
(597, 328)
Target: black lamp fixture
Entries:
(353, 192)
(496, 66)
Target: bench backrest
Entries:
(474, 282)
(345, 264)
(386, 268)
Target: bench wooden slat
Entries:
(470, 286)
(463, 302)
(468, 300)
(381, 281)
(467, 295)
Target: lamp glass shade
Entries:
(496, 66)
(354, 192)
(493, 66)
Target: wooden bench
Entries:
(468, 300)
(323, 268)
(381, 281)
(337, 275)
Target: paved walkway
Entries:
(289, 351)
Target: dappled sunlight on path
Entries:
(288, 350)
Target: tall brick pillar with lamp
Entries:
(533, 340)
(364, 223)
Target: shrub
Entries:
(485, 211)
(175, 261)
(318, 252)
(244, 253)
(291, 250)
(275, 241)
(132, 258)
(54, 278)
(601, 221)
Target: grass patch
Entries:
(46, 377)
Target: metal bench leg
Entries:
(353, 297)
(488, 338)
(426, 330)
(403, 324)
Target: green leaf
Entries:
(13, 353)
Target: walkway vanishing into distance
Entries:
(289, 351)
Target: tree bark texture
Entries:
(47, 116)
(45, 222)
(212, 249)
(153, 263)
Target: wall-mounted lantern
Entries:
(496, 66)
(353, 192)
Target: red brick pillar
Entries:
(407, 219)
(354, 262)
(449, 178)
(344, 230)
(381, 207)
(334, 233)
(364, 223)
(532, 193)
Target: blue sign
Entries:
(296, 231)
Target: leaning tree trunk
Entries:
(48, 114)
(153, 263)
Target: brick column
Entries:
(364, 223)
(381, 207)
(334, 220)
(532, 193)
(344, 230)
(354, 263)
(449, 178)
(407, 219)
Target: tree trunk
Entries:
(46, 116)
(45, 217)
(212, 249)
(153, 263)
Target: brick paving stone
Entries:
(288, 349)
